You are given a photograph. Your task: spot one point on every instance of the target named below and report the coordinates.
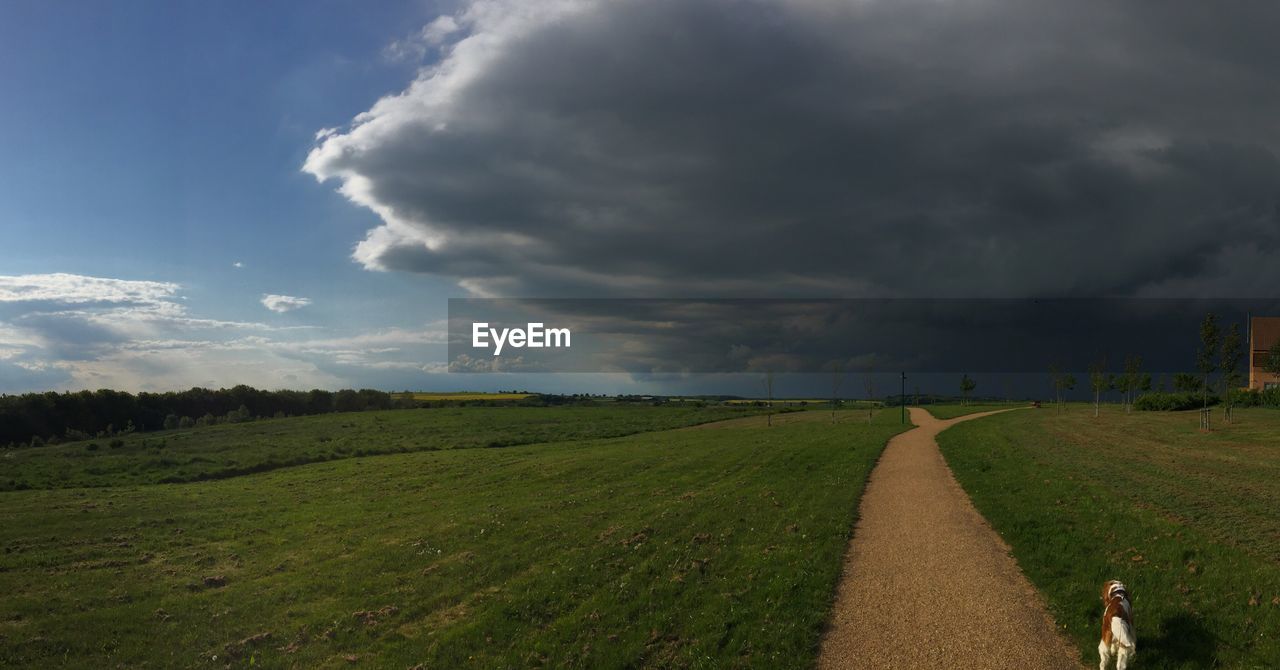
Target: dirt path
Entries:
(926, 582)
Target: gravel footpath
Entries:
(926, 582)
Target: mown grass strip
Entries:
(232, 450)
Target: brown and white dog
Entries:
(1117, 627)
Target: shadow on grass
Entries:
(1183, 642)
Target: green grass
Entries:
(701, 547)
(1189, 521)
(951, 411)
(228, 450)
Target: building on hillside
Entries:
(1264, 332)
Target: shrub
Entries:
(1170, 402)
(92, 446)
(1245, 398)
(240, 415)
(186, 422)
(116, 444)
(1270, 397)
(171, 422)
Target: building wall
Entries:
(1264, 331)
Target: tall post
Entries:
(904, 397)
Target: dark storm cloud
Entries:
(812, 148)
(677, 336)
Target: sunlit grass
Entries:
(232, 450)
(688, 548)
(1188, 520)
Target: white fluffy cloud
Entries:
(283, 303)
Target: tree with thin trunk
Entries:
(1131, 380)
(967, 385)
(1068, 384)
(1229, 364)
(870, 384)
(768, 387)
(1055, 382)
(1098, 382)
(1207, 357)
(837, 378)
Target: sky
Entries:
(286, 194)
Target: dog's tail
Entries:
(1123, 634)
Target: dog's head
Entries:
(1112, 589)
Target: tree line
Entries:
(40, 418)
(1217, 377)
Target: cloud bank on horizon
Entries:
(72, 331)
(806, 147)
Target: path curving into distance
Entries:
(926, 582)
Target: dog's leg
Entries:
(1104, 654)
(1122, 658)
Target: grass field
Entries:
(685, 548)
(805, 402)
(951, 411)
(1189, 521)
(229, 450)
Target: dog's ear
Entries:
(1106, 588)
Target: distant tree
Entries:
(1055, 383)
(837, 378)
(1185, 382)
(1099, 381)
(1130, 381)
(1068, 384)
(1231, 354)
(170, 421)
(967, 385)
(1061, 382)
(1207, 357)
(768, 387)
(239, 415)
(870, 385)
(186, 422)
